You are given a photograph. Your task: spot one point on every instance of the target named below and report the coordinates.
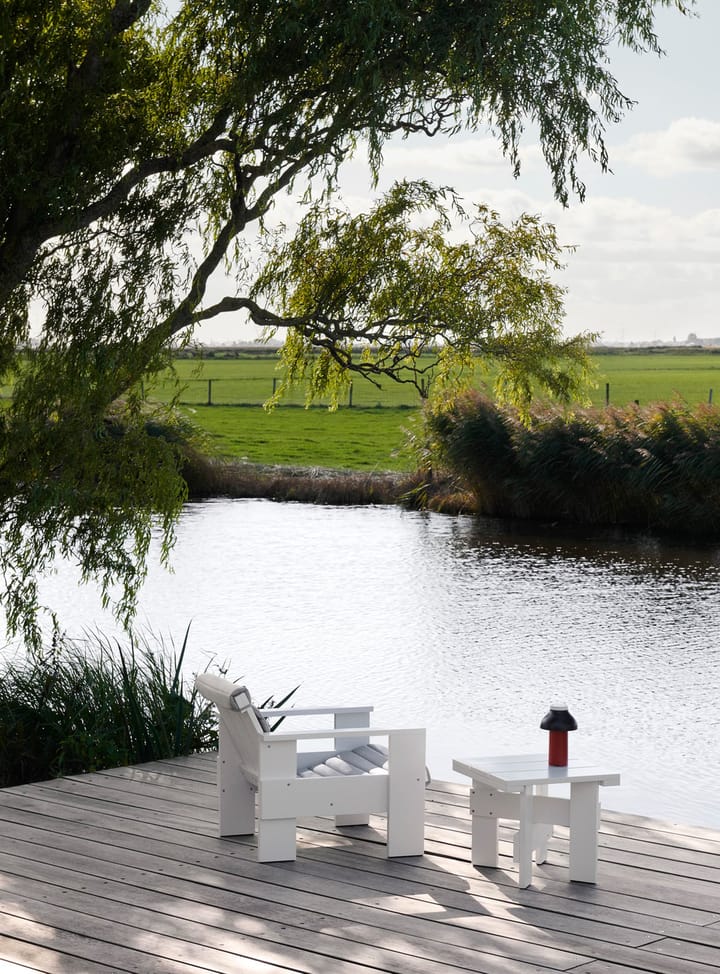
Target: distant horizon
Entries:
(697, 341)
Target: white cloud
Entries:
(646, 264)
(444, 156)
(470, 165)
(613, 227)
(641, 271)
(686, 145)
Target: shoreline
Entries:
(439, 492)
(415, 490)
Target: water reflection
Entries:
(468, 626)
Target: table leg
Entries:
(525, 837)
(542, 832)
(484, 828)
(584, 826)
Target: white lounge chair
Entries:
(349, 782)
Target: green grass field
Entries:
(657, 377)
(370, 438)
(355, 439)
(252, 381)
(648, 377)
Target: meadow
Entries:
(222, 393)
(372, 435)
(664, 376)
(352, 439)
(249, 381)
(657, 376)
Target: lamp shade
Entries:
(558, 718)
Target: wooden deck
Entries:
(122, 871)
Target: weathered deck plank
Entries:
(122, 871)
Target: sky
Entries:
(647, 262)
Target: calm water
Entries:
(466, 626)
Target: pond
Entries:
(467, 626)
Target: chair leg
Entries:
(236, 801)
(406, 794)
(276, 840)
(344, 720)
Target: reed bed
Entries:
(655, 467)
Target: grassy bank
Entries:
(79, 707)
(372, 438)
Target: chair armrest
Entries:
(311, 711)
(339, 733)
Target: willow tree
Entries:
(415, 290)
(130, 132)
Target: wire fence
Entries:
(256, 390)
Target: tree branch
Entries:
(17, 254)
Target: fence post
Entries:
(607, 393)
(274, 384)
(209, 401)
(350, 395)
(710, 398)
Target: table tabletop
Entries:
(510, 771)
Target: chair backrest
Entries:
(241, 727)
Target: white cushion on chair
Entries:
(375, 756)
(261, 719)
(367, 759)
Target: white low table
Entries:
(515, 787)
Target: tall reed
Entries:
(656, 467)
(82, 707)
